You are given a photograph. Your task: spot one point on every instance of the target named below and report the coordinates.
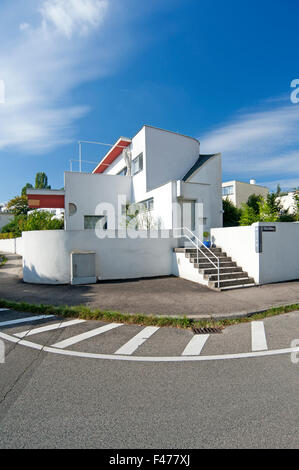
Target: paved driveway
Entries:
(164, 296)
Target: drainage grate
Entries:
(206, 331)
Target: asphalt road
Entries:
(50, 400)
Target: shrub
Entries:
(6, 236)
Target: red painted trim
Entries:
(46, 201)
(111, 156)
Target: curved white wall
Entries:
(46, 256)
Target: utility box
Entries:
(83, 267)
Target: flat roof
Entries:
(112, 154)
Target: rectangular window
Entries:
(137, 164)
(123, 172)
(148, 204)
(227, 190)
(95, 221)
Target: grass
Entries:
(86, 313)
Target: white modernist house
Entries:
(162, 171)
(165, 176)
(238, 192)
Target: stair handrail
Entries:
(217, 266)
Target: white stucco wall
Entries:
(169, 156)
(205, 187)
(13, 246)
(279, 260)
(90, 193)
(115, 258)
(239, 244)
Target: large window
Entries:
(227, 190)
(137, 164)
(95, 221)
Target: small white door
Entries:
(188, 214)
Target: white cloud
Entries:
(41, 66)
(69, 17)
(262, 145)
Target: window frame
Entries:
(99, 217)
(139, 158)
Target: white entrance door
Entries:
(188, 214)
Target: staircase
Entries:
(231, 276)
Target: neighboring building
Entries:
(162, 170)
(288, 202)
(238, 192)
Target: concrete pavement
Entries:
(160, 296)
(53, 401)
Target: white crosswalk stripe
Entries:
(54, 326)
(86, 335)
(25, 320)
(258, 336)
(134, 343)
(194, 347)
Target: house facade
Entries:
(160, 171)
(238, 192)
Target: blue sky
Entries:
(98, 69)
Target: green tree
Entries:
(41, 181)
(269, 209)
(253, 202)
(249, 215)
(18, 205)
(231, 214)
(27, 186)
(37, 220)
(278, 190)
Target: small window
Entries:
(92, 222)
(137, 164)
(148, 204)
(227, 190)
(72, 208)
(123, 172)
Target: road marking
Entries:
(138, 340)
(24, 320)
(258, 336)
(54, 326)
(86, 335)
(194, 347)
(220, 357)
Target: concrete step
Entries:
(213, 250)
(231, 283)
(223, 270)
(226, 276)
(221, 256)
(206, 264)
(193, 250)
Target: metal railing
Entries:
(190, 237)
